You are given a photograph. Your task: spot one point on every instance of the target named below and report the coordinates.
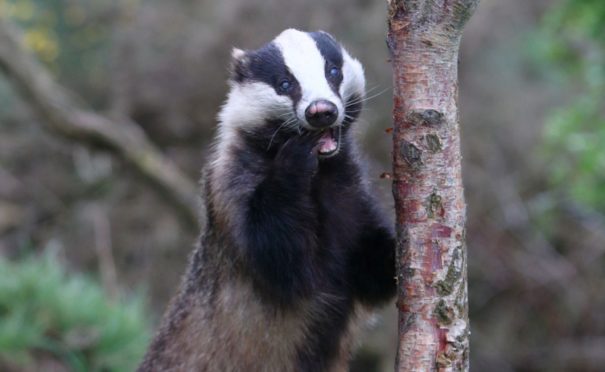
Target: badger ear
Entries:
(237, 54)
(237, 70)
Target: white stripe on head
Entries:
(306, 63)
(353, 82)
(251, 103)
(247, 107)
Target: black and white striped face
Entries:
(303, 81)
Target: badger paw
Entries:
(299, 154)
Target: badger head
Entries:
(301, 83)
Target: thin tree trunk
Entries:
(424, 39)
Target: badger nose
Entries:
(321, 113)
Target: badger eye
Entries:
(335, 72)
(285, 85)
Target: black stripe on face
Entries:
(353, 108)
(267, 65)
(332, 53)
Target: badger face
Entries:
(300, 83)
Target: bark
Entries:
(61, 113)
(424, 39)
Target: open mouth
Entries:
(329, 142)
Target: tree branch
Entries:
(61, 113)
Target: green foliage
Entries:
(572, 42)
(575, 136)
(72, 38)
(44, 312)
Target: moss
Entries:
(444, 288)
(443, 313)
(460, 300)
(433, 143)
(435, 206)
(411, 154)
(454, 272)
(443, 360)
(428, 117)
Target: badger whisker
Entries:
(275, 133)
(367, 91)
(285, 114)
(366, 98)
(372, 89)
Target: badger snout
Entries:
(321, 114)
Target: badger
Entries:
(295, 252)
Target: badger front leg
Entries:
(372, 259)
(280, 225)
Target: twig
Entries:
(102, 244)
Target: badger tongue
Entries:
(327, 143)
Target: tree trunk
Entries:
(423, 39)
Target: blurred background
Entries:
(92, 247)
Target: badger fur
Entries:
(294, 250)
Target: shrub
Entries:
(47, 316)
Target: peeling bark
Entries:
(423, 39)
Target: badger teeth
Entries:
(329, 143)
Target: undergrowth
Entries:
(48, 316)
